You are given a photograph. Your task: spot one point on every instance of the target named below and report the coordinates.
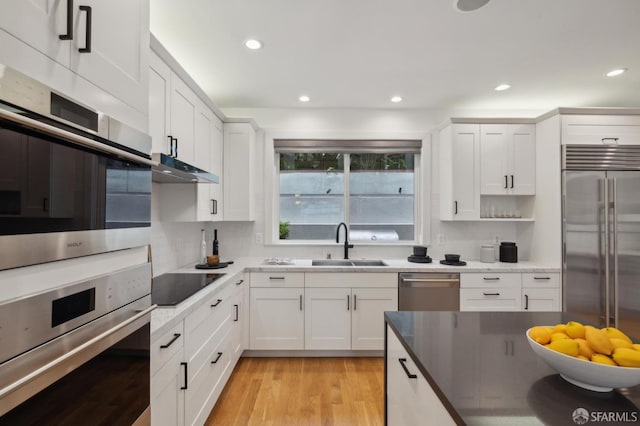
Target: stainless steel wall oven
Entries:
(73, 182)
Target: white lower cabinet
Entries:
(277, 318)
(541, 292)
(190, 369)
(327, 318)
(367, 316)
(410, 398)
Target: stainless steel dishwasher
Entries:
(429, 291)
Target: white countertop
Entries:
(165, 318)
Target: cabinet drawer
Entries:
(541, 280)
(490, 299)
(277, 279)
(166, 346)
(600, 129)
(205, 320)
(351, 279)
(482, 280)
(216, 343)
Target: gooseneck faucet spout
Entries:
(347, 246)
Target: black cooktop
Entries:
(171, 289)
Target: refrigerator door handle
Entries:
(614, 197)
(607, 253)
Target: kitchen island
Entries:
(477, 368)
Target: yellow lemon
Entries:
(627, 357)
(598, 340)
(602, 359)
(575, 329)
(540, 334)
(585, 349)
(559, 328)
(636, 346)
(615, 333)
(620, 343)
(558, 336)
(565, 346)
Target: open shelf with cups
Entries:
(500, 208)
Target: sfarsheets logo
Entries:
(581, 416)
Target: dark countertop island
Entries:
(480, 366)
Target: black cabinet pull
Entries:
(217, 303)
(276, 278)
(45, 204)
(87, 37)
(170, 145)
(300, 302)
(506, 181)
(176, 148)
(239, 282)
(406, 370)
(69, 34)
(541, 278)
(526, 302)
(237, 312)
(455, 203)
(175, 337)
(217, 358)
(185, 376)
(348, 302)
(511, 181)
(214, 206)
(491, 294)
(491, 278)
(355, 300)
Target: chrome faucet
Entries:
(347, 246)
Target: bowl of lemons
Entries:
(598, 359)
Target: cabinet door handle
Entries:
(347, 302)
(170, 145)
(526, 302)
(239, 282)
(217, 303)
(45, 204)
(276, 278)
(455, 204)
(406, 370)
(175, 337)
(69, 34)
(511, 181)
(214, 206)
(300, 302)
(541, 278)
(87, 37)
(506, 181)
(491, 278)
(185, 376)
(237, 312)
(176, 149)
(506, 348)
(491, 294)
(610, 140)
(355, 301)
(217, 358)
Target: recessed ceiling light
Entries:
(616, 72)
(470, 5)
(304, 98)
(502, 87)
(253, 44)
(396, 99)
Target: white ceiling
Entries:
(358, 53)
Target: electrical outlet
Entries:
(496, 239)
(259, 238)
(440, 239)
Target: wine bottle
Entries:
(215, 241)
(203, 249)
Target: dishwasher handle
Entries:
(429, 282)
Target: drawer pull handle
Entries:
(217, 303)
(526, 302)
(541, 278)
(237, 312)
(217, 358)
(491, 279)
(348, 302)
(406, 370)
(491, 294)
(176, 336)
(300, 302)
(506, 182)
(186, 376)
(276, 278)
(239, 282)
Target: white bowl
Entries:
(587, 374)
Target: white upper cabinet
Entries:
(183, 120)
(159, 104)
(459, 172)
(239, 167)
(601, 129)
(216, 194)
(106, 43)
(507, 159)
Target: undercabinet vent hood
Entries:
(172, 170)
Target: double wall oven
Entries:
(75, 267)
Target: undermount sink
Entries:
(347, 262)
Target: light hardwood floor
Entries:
(302, 391)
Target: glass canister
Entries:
(487, 253)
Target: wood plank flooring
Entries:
(302, 391)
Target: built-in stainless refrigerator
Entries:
(601, 234)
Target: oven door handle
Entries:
(93, 346)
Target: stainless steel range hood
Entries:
(172, 170)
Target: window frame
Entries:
(422, 188)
